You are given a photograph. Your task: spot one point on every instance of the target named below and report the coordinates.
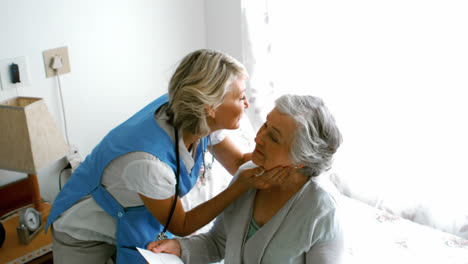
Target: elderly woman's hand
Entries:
(260, 178)
(170, 246)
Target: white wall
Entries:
(122, 54)
(223, 26)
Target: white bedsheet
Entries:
(374, 236)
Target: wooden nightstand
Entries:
(39, 250)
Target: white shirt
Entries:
(124, 178)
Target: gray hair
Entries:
(202, 79)
(317, 136)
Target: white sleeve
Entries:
(151, 178)
(217, 136)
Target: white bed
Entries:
(372, 235)
(375, 236)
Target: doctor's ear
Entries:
(210, 111)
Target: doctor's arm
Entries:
(202, 248)
(229, 155)
(185, 223)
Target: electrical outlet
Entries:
(74, 157)
(62, 53)
(5, 73)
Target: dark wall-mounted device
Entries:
(15, 75)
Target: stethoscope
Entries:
(163, 235)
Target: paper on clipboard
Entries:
(159, 258)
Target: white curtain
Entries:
(395, 75)
(257, 58)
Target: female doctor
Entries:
(126, 192)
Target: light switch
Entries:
(15, 73)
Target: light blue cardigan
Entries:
(306, 230)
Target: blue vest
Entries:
(136, 226)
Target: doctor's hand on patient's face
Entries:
(170, 246)
(260, 178)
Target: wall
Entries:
(122, 54)
(223, 26)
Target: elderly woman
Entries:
(293, 222)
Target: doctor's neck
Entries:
(189, 139)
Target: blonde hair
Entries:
(200, 81)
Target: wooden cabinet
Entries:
(14, 252)
(39, 250)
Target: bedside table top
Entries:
(14, 252)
